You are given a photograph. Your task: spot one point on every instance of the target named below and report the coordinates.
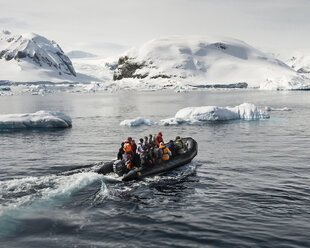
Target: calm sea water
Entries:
(249, 185)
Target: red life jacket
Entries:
(158, 140)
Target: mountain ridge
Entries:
(32, 52)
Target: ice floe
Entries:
(40, 119)
(268, 108)
(137, 122)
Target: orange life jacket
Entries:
(127, 147)
(166, 152)
(128, 165)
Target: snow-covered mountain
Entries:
(205, 61)
(31, 57)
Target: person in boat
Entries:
(127, 145)
(136, 157)
(120, 152)
(166, 153)
(146, 141)
(151, 140)
(127, 160)
(140, 147)
(180, 146)
(145, 158)
(129, 155)
(159, 139)
(158, 155)
(172, 148)
(134, 146)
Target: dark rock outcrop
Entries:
(302, 70)
(127, 68)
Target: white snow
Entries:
(191, 115)
(300, 62)
(208, 61)
(40, 119)
(100, 69)
(94, 87)
(180, 63)
(137, 122)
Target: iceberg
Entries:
(137, 122)
(40, 119)
(192, 115)
(196, 115)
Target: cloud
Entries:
(11, 22)
(261, 23)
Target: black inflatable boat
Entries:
(141, 172)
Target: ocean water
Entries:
(249, 185)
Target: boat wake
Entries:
(139, 190)
(27, 196)
(21, 197)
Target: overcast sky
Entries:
(109, 26)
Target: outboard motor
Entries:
(119, 167)
(190, 144)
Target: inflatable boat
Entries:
(141, 172)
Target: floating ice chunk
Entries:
(137, 122)
(245, 111)
(95, 86)
(40, 119)
(268, 108)
(170, 121)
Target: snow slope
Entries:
(40, 119)
(207, 61)
(100, 69)
(31, 57)
(300, 63)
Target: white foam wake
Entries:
(18, 197)
(40, 119)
